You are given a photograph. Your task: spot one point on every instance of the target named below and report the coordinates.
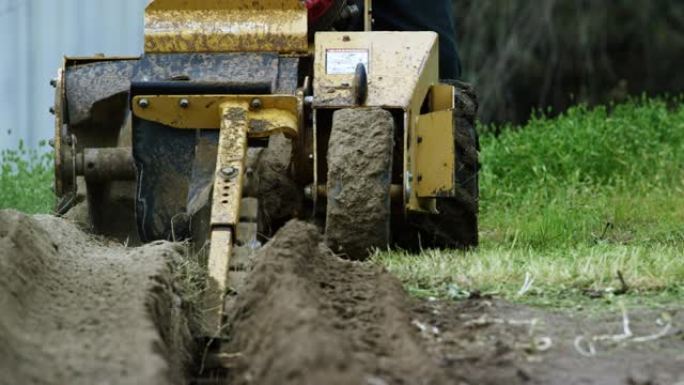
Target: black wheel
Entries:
(456, 225)
(359, 179)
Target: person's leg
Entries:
(422, 15)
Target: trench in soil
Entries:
(80, 310)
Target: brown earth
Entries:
(308, 317)
(79, 310)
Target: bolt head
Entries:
(184, 103)
(143, 103)
(53, 83)
(256, 104)
(229, 172)
(308, 192)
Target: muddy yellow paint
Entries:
(181, 26)
(434, 143)
(277, 113)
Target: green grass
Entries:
(26, 178)
(569, 202)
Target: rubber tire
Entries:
(456, 225)
(359, 180)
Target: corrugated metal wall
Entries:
(35, 35)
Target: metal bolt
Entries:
(52, 110)
(308, 100)
(256, 104)
(143, 103)
(184, 103)
(308, 192)
(53, 83)
(229, 172)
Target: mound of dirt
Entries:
(308, 317)
(304, 316)
(76, 310)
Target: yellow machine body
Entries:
(176, 26)
(402, 76)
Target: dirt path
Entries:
(489, 341)
(75, 310)
(307, 317)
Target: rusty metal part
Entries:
(175, 26)
(92, 82)
(280, 72)
(277, 113)
(106, 164)
(227, 195)
(63, 183)
(97, 164)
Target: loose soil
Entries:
(78, 310)
(307, 317)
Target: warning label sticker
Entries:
(344, 61)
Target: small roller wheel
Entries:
(359, 179)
